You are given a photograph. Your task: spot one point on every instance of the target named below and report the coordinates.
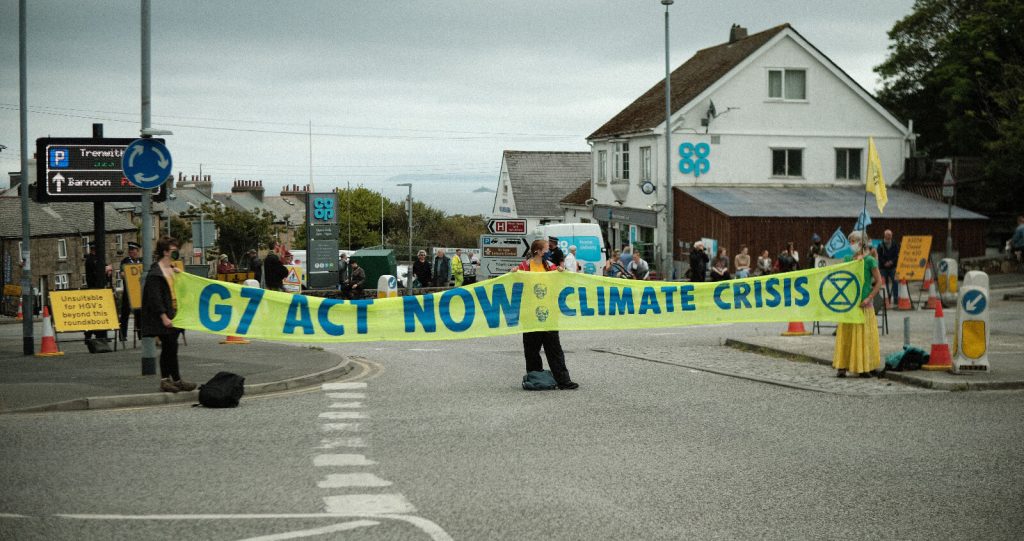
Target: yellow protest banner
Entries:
(133, 284)
(83, 310)
(520, 302)
(913, 258)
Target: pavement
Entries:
(79, 380)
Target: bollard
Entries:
(906, 332)
(972, 332)
(948, 287)
(387, 286)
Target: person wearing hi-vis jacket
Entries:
(534, 341)
(857, 349)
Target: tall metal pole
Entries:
(668, 269)
(408, 271)
(148, 343)
(28, 348)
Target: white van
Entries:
(591, 253)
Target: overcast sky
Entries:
(391, 87)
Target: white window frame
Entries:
(602, 167)
(621, 159)
(787, 173)
(782, 81)
(645, 164)
(846, 153)
(120, 241)
(62, 249)
(61, 281)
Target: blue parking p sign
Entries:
(146, 163)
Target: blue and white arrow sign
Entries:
(146, 163)
(974, 302)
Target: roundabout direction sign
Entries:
(146, 163)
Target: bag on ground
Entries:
(911, 358)
(540, 380)
(224, 390)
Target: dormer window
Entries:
(787, 84)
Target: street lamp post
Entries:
(408, 270)
(669, 215)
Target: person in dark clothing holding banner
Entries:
(534, 341)
(159, 306)
(126, 306)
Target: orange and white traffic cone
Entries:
(48, 346)
(234, 340)
(20, 315)
(928, 280)
(933, 295)
(940, 358)
(904, 301)
(796, 328)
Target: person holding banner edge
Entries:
(126, 305)
(857, 349)
(159, 306)
(533, 341)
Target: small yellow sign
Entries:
(913, 258)
(84, 310)
(12, 290)
(133, 284)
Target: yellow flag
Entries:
(875, 180)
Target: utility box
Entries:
(376, 262)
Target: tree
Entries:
(239, 231)
(956, 67)
(181, 229)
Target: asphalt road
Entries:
(442, 443)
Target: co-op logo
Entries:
(695, 158)
(323, 208)
(840, 291)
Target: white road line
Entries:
(341, 480)
(334, 443)
(368, 504)
(424, 349)
(315, 531)
(340, 427)
(13, 515)
(342, 460)
(346, 396)
(342, 415)
(347, 386)
(430, 528)
(347, 405)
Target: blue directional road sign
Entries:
(146, 163)
(974, 302)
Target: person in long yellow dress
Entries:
(857, 350)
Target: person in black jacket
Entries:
(698, 262)
(888, 258)
(158, 309)
(133, 258)
(274, 272)
(421, 270)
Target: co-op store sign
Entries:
(85, 169)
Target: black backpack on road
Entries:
(224, 390)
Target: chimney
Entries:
(736, 33)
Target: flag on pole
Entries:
(875, 180)
(863, 221)
(838, 245)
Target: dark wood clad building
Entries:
(768, 218)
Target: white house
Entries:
(765, 110)
(531, 184)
